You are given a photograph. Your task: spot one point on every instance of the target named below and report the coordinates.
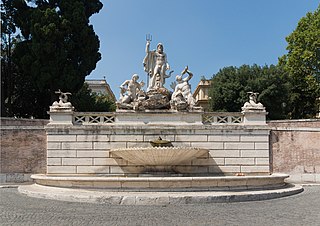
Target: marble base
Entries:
(161, 117)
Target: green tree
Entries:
(302, 62)
(230, 85)
(59, 48)
(87, 101)
(8, 69)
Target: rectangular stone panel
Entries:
(197, 138)
(255, 153)
(207, 145)
(116, 170)
(239, 161)
(224, 153)
(77, 161)
(254, 138)
(262, 161)
(61, 153)
(61, 169)
(228, 138)
(53, 145)
(93, 154)
(181, 144)
(108, 145)
(77, 145)
(54, 161)
(264, 145)
(255, 169)
(208, 162)
(95, 137)
(138, 144)
(126, 138)
(109, 162)
(61, 138)
(192, 169)
(101, 145)
(236, 145)
(93, 169)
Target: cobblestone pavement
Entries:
(300, 209)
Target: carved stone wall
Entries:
(85, 149)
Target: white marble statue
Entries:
(155, 64)
(63, 100)
(182, 97)
(253, 103)
(131, 90)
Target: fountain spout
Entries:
(161, 143)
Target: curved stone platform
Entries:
(159, 190)
(204, 183)
(154, 198)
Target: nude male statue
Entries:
(130, 89)
(155, 64)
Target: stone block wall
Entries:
(295, 146)
(86, 149)
(23, 149)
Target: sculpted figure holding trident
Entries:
(155, 64)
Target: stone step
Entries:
(154, 198)
(159, 183)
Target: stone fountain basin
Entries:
(159, 156)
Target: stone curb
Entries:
(154, 198)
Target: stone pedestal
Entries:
(61, 115)
(158, 117)
(254, 116)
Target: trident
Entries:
(148, 37)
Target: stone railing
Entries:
(93, 118)
(222, 118)
(80, 118)
(132, 118)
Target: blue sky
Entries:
(206, 35)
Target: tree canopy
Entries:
(59, 48)
(287, 90)
(87, 101)
(230, 85)
(302, 62)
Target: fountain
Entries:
(205, 156)
(161, 157)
